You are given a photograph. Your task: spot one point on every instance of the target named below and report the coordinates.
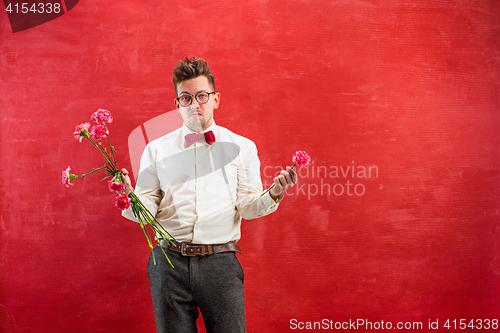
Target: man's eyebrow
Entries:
(185, 92)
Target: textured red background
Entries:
(410, 87)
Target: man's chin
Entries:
(195, 124)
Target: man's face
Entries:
(197, 117)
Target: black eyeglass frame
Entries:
(195, 96)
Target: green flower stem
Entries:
(110, 146)
(269, 189)
(111, 168)
(112, 165)
(155, 224)
(86, 174)
(95, 145)
(146, 219)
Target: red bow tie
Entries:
(208, 137)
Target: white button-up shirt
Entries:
(200, 193)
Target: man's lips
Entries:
(195, 114)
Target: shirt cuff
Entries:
(269, 202)
(129, 214)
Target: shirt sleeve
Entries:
(147, 186)
(249, 202)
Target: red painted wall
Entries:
(405, 89)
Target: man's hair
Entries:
(191, 68)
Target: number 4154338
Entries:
(477, 324)
(36, 8)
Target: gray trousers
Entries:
(212, 283)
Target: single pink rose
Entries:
(122, 201)
(115, 186)
(66, 180)
(81, 131)
(98, 132)
(102, 116)
(301, 158)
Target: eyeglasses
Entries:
(202, 97)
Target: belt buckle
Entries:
(183, 251)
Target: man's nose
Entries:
(194, 103)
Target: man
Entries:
(200, 181)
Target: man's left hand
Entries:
(286, 179)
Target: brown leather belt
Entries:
(200, 249)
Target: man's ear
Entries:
(217, 100)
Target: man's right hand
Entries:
(128, 183)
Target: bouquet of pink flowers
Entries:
(95, 134)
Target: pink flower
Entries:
(66, 178)
(115, 186)
(102, 116)
(81, 131)
(301, 158)
(122, 201)
(98, 132)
